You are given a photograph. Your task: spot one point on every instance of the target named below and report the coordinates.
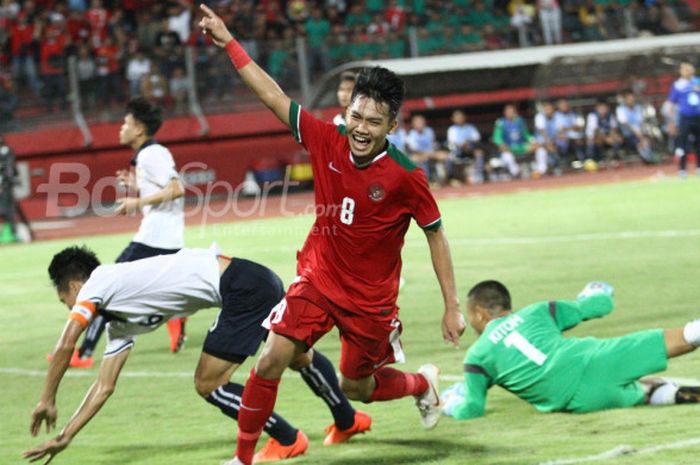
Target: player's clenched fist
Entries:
(214, 26)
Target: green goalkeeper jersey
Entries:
(526, 353)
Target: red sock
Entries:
(394, 384)
(257, 402)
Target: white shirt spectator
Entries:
(137, 68)
(630, 118)
(457, 136)
(180, 24)
(423, 141)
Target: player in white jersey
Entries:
(137, 297)
(155, 179)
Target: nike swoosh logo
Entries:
(333, 168)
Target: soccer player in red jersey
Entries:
(349, 267)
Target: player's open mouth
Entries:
(361, 142)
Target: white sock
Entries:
(691, 332)
(664, 394)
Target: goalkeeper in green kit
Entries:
(525, 352)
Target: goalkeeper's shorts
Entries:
(611, 378)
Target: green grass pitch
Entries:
(643, 237)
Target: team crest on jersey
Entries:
(376, 192)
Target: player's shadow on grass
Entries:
(432, 450)
(120, 455)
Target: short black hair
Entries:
(72, 263)
(491, 295)
(382, 86)
(146, 113)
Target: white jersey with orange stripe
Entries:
(141, 295)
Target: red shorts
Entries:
(366, 342)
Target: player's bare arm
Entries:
(255, 77)
(173, 190)
(96, 397)
(46, 408)
(453, 320)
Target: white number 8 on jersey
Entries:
(347, 211)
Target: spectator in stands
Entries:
(513, 139)
(630, 116)
(147, 28)
(279, 62)
(592, 19)
(180, 18)
(168, 49)
(400, 135)
(468, 39)
(53, 65)
(317, 29)
(86, 69)
(344, 93)
(569, 132)
(154, 86)
(357, 16)
(22, 37)
(546, 134)
(395, 15)
(8, 103)
(602, 132)
(297, 11)
(464, 143)
(550, 21)
(109, 79)
(138, 66)
(521, 19)
(179, 87)
(422, 148)
(98, 17)
(685, 100)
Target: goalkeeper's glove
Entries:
(595, 288)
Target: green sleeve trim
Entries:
(294, 117)
(434, 226)
(400, 158)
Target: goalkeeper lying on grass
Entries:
(525, 352)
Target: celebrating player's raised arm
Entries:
(453, 320)
(46, 409)
(255, 77)
(98, 394)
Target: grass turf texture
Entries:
(542, 244)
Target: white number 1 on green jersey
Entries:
(517, 340)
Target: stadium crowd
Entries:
(136, 47)
(558, 137)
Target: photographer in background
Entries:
(8, 171)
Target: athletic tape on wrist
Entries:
(237, 54)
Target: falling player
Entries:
(525, 353)
(137, 297)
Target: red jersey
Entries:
(353, 253)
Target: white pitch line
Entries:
(625, 450)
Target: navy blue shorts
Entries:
(136, 251)
(248, 292)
